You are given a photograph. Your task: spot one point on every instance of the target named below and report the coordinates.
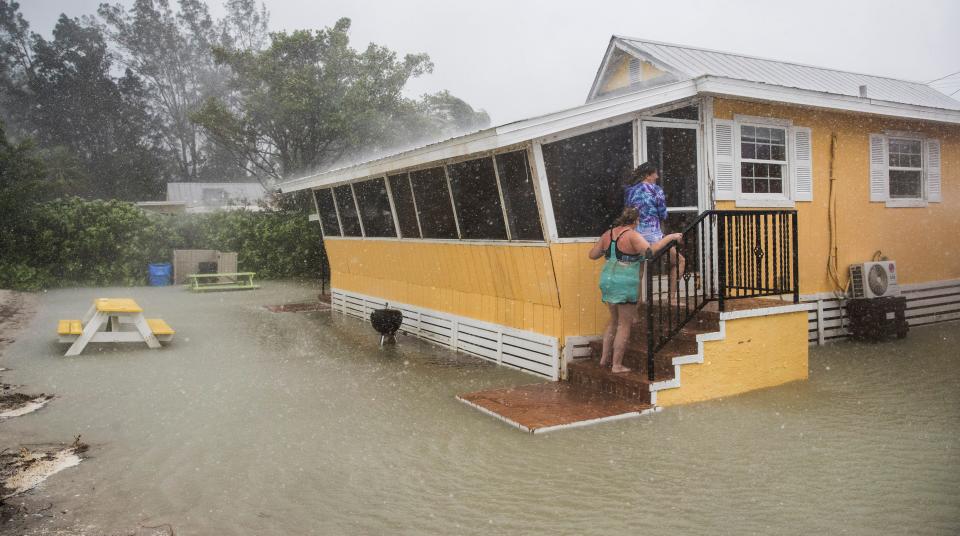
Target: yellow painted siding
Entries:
(509, 285)
(619, 74)
(923, 241)
(757, 352)
(578, 281)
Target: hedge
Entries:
(75, 242)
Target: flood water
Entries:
(254, 422)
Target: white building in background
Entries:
(199, 197)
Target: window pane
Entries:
(774, 171)
(748, 150)
(586, 175)
(375, 208)
(746, 186)
(763, 151)
(328, 213)
(778, 136)
(748, 133)
(746, 169)
(518, 196)
(475, 196)
(348, 211)
(687, 112)
(761, 186)
(403, 204)
(776, 186)
(433, 203)
(905, 184)
(916, 161)
(778, 152)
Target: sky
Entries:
(518, 59)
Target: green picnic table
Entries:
(228, 281)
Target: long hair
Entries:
(643, 171)
(629, 216)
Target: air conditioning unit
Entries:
(874, 280)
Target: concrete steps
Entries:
(635, 385)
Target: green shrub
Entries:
(75, 242)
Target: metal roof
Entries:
(697, 62)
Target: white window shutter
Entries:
(801, 163)
(933, 170)
(879, 174)
(724, 160)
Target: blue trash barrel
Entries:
(159, 274)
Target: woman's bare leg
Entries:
(626, 313)
(608, 336)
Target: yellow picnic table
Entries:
(223, 281)
(107, 320)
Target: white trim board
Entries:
(527, 351)
(930, 302)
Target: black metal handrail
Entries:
(727, 254)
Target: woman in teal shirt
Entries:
(624, 249)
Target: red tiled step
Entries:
(588, 374)
(545, 406)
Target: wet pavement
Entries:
(254, 422)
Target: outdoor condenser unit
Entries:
(874, 280)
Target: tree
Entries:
(171, 52)
(310, 100)
(92, 130)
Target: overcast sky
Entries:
(519, 59)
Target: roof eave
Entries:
(720, 86)
(502, 136)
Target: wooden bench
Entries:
(70, 330)
(225, 281)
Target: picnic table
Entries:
(227, 281)
(113, 320)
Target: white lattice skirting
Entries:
(927, 303)
(524, 350)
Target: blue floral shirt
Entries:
(650, 201)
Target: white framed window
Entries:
(762, 161)
(904, 169)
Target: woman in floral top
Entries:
(648, 197)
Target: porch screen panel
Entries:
(375, 208)
(433, 203)
(518, 196)
(475, 196)
(586, 174)
(348, 211)
(328, 212)
(403, 204)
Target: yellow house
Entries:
(781, 175)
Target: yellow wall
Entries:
(578, 278)
(619, 74)
(757, 352)
(923, 241)
(513, 286)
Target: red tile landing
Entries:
(543, 407)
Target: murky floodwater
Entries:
(254, 422)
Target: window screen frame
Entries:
(546, 195)
(356, 208)
(336, 212)
(922, 196)
(786, 187)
